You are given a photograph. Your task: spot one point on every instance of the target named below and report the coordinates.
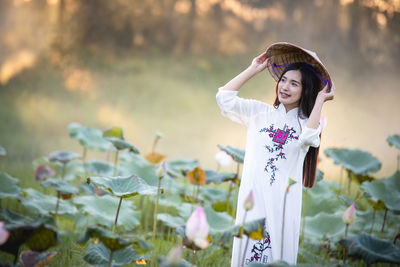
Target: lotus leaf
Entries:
(355, 160)
(322, 198)
(99, 255)
(60, 186)
(324, 224)
(124, 186)
(63, 156)
(100, 168)
(2, 151)
(394, 140)
(133, 163)
(371, 249)
(219, 177)
(180, 167)
(110, 240)
(9, 187)
(169, 220)
(102, 210)
(218, 221)
(91, 138)
(121, 144)
(37, 236)
(34, 258)
(44, 204)
(249, 227)
(212, 195)
(235, 153)
(116, 132)
(381, 190)
(320, 175)
(15, 218)
(165, 263)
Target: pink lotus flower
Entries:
(197, 228)
(349, 216)
(3, 234)
(43, 172)
(223, 158)
(249, 201)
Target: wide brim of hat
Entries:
(280, 55)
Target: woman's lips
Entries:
(283, 95)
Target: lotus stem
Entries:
(84, 159)
(245, 249)
(116, 216)
(110, 259)
(193, 194)
(241, 232)
(384, 220)
(283, 221)
(303, 223)
(115, 163)
(373, 222)
(193, 258)
(398, 162)
(57, 204)
(63, 171)
(349, 182)
(155, 211)
(218, 167)
(345, 231)
(229, 195)
(341, 176)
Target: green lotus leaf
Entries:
(9, 187)
(325, 225)
(3, 151)
(124, 186)
(385, 191)
(219, 177)
(99, 255)
(169, 220)
(102, 209)
(43, 204)
(91, 138)
(116, 132)
(63, 156)
(235, 153)
(180, 167)
(36, 236)
(134, 163)
(371, 249)
(226, 238)
(322, 198)
(218, 221)
(12, 217)
(394, 140)
(34, 258)
(355, 160)
(100, 168)
(164, 262)
(109, 239)
(212, 195)
(74, 170)
(320, 175)
(60, 186)
(121, 144)
(393, 182)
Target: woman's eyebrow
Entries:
(291, 80)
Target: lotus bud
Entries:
(197, 228)
(223, 158)
(349, 215)
(175, 255)
(249, 201)
(3, 234)
(159, 135)
(162, 169)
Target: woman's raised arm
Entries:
(257, 65)
(323, 95)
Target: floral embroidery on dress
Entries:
(279, 138)
(257, 253)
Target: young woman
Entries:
(282, 142)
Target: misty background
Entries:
(156, 65)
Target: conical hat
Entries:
(280, 55)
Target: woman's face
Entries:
(289, 89)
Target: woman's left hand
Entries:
(327, 93)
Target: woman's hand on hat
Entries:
(327, 93)
(259, 63)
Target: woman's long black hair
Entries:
(310, 86)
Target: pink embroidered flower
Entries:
(271, 135)
(272, 159)
(296, 137)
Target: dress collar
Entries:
(292, 113)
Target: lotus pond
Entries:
(131, 208)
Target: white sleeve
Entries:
(238, 109)
(310, 137)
